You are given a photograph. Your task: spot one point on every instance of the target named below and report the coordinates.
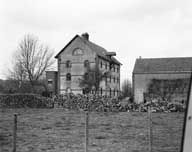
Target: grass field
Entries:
(55, 130)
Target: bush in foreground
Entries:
(25, 100)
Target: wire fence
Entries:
(56, 130)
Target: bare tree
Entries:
(126, 88)
(18, 73)
(31, 60)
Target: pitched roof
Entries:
(163, 65)
(100, 51)
(66, 45)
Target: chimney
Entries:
(85, 36)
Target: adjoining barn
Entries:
(166, 76)
(73, 62)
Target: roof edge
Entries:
(105, 58)
(162, 72)
(67, 45)
(183, 57)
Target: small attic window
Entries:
(77, 52)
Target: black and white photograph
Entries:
(96, 76)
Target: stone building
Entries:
(148, 69)
(73, 61)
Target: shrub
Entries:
(25, 100)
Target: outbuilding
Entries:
(163, 70)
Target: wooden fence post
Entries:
(15, 133)
(150, 130)
(86, 131)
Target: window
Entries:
(78, 51)
(68, 90)
(101, 91)
(117, 69)
(114, 92)
(101, 64)
(114, 79)
(86, 76)
(49, 81)
(68, 77)
(110, 79)
(68, 64)
(110, 92)
(112, 67)
(86, 63)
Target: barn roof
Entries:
(163, 65)
(100, 51)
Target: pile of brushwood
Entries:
(106, 104)
(162, 106)
(87, 103)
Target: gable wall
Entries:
(77, 69)
(141, 81)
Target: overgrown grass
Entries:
(56, 130)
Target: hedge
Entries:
(25, 100)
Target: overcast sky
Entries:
(131, 28)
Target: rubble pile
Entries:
(88, 103)
(106, 104)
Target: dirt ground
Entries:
(56, 130)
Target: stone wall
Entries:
(51, 77)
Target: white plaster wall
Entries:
(141, 81)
